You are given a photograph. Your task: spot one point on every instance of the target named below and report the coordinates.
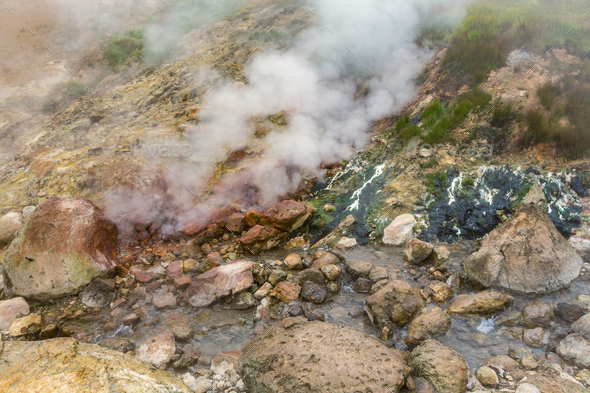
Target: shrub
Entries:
(432, 112)
(538, 130)
(72, 89)
(123, 47)
(547, 94)
(501, 114)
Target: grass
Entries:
(501, 114)
(125, 47)
(239, 12)
(492, 29)
(547, 93)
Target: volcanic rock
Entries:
(260, 238)
(220, 282)
(526, 255)
(57, 365)
(60, 249)
(9, 225)
(278, 360)
(398, 302)
(431, 324)
(440, 365)
(399, 232)
(481, 303)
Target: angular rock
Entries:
(60, 249)
(431, 324)
(220, 282)
(440, 291)
(166, 301)
(527, 388)
(326, 259)
(11, 309)
(417, 251)
(263, 291)
(142, 276)
(378, 273)
(182, 331)
(439, 254)
(534, 337)
(276, 276)
(189, 265)
(506, 364)
(30, 324)
(399, 232)
(260, 238)
(41, 167)
(398, 302)
(440, 365)
(278, 361)
(575, 349)
(99, 293)
(9, 225)
(346, 243)
(571, 310)
(286, 215)
(175, 269)
(235, 223)
(481, 303)
(59, 363)
(157, 350)
(526, 255)
(286, 291)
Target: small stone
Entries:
(537, 314)
(11, 309)
(30, 324)
(189, 265)
(157, 350)
(359, 269)
(286, 291)
(332, 272)
(417, 251)
(346, 242)
(130, 319)
(276, 276)
(313, 292)
(332, 287)
(166, 301)
(293, 262)
(182, 282)
(325, 259)
(534, 337)
(362, 285)
(142, 276)
(313, 275)
(399, 232)
(175, 269)
(487, 377)
(378, 273)
(182, 332)
(263, 291)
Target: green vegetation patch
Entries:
(125, 47)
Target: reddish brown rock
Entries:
(235, 223)
(260, 238)
(41, 167)
(286, 215)
(142, 276)
(63, 246)
(182, 282)
(220, 282)
(166, 301)
(175, 269)
(157, 350)
(286, 291)
(396, 302)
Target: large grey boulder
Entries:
(525, 255)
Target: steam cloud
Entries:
(356, 45)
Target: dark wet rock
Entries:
(526, 255)
(118, 344)
(313, 275)
(278, 360)
(537, 314)
(332, 287)
(189, 356)
(440, 365)
(99, 293)
(397, 302)
(431, 324)
(362, 285)
(481, 303)
(571, 310)
(276, 276)
(60, 249)
(417, 251)
(470, 211)
(260, 238)
(242, 301)
(220, 282)
(103, 369)
(313, 292)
